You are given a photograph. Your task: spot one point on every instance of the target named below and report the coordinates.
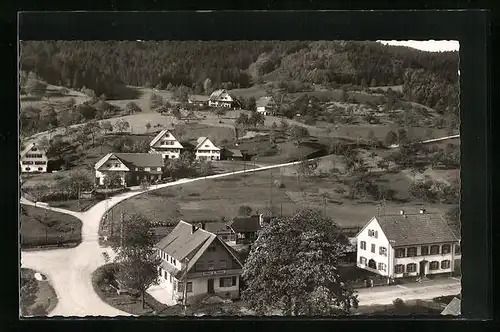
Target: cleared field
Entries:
(41, 227)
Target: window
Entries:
(400, 253)
(147, 169)
(40, 168)
(445, 264)
(170, 278)
(226, 282)
(412, 252)
(40, 162)
(424, 250)
(362, 245)
(445, 249)
(200, 265)
(159, 169)
(207, 146)
(222, 264)
(34, 149)
(27, 162)
(117, 165)
(458, 250)
(434, 265)
(362, 260)
(382, 251)
(373, 247)
(398, 269)
(434, 250)
(189, 287)
(27, 169)
(381, 266)
(210, 265)
(174, 261)
(412, 267)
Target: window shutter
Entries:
(234, 281)
(376, 234)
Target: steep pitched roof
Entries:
(216, 94)
(132, 160)
(28, 149)
(246, 224)
(182, 243)
(264, 101)
(201, 140)
(234, 153)
(216, 227)
(410, 229)
(159, 136)
(453, 308)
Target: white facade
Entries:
(167, 145)
(33, 160)
(375, 253)
(206, 150)
(266, 106)
(220, 98)
(112, 164)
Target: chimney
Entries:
(193, 229)
(261, 220)
(401, 212)
(203, 225)
(422, 211)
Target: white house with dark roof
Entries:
(166, 144)
(198, 260)
(222, 98)
(206, 150)
(33, 159)
(266, 105)
(407, 245)
(132, 168)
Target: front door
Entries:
(423, 265)
(210, 289)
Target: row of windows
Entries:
(380, 266)
(27, 169)
(373, 233)
(165, 142)
(200, 265)
(381, 250)
(412, 267)
(168, 258)
(424, 250)
(34, 155)
(208, 151)
(37, 162)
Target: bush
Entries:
(398, 303)
(279, 184)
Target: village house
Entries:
(198, 100)
(199, 261)
(206, 150)
(246, 228)
(222, 98)
(133, 168)
(266, 106)
(33, 159)
(166, 144)
(408, 245)
(219, 228)
(232, 154)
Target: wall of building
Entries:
(219, 254)
(379, 241)
(430, 258)
(34, 161)
(100, 175)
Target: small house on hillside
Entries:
(166, 144)
(196, 262)
(133, 168)
(222, 98)
(266, 106)
(232, 154)
(408, 245)
(206, 150)
(246, 228)
(33, 159)
(198, 100)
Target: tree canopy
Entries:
(292, 267)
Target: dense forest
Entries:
(107, 67)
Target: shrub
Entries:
(398, 303)
(279, 184)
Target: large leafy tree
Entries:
(298, 133)
(135, 253)
(292, 267)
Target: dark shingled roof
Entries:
(216, 227)
(247, 224)
(410, 229)
(234, 153)
(141, 159)
(453, 308)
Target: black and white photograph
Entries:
(315, 178)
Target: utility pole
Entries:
(244, 173)
(121, 231)
(184, 296)
(271, 192)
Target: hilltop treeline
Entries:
(105, 66)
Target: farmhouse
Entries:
(166, 144)
(196, 263)
(198, 100)
(206, 150)
(220, 229)
(222, 98)
(245, 229)
(266, 106)
(408, 245)
(33, 159)
(232, 154)
(132, 168)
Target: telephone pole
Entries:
(121, 231)
(271, 191)
(184, 295)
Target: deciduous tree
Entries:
(293, 267)
(298, 133)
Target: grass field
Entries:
(46, 297)
(40, 227)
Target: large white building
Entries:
(33, 159)
(166, 144)
(408, 245)
(206, 150)
(200, 261)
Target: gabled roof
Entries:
(265, 101)
(182, 243)
(201, 140)
(414, 229)
(216, 94)
(453, 308)
(132, 160)
(216, 227)
(28, 149)
(160, 136)
(247, 224)
(234, 153)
